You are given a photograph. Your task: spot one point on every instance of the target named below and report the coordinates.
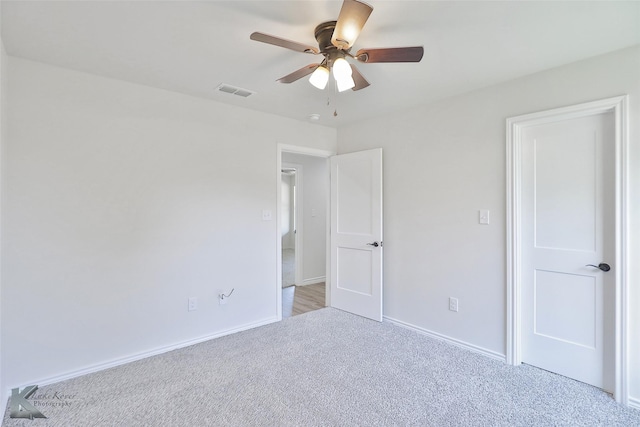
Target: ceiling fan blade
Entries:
(353, 16)
(391, 54)
(358, 78)
(298, 74)
(277, 41)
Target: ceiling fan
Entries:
(335, 40)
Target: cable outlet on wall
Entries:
(193, 303)
(223, 298)
(453, 304)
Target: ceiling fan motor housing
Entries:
(323, 34)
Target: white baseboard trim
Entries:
(485, 352)
(139, 356)
(634, 403)
(313, 280)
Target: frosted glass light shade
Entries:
(341, 69)
(345, 83)
(320, 77)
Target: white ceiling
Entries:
(192, 47)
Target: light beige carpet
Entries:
(324, 368)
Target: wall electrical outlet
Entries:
(193, 303)
(453, 304)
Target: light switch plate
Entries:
(483, 216)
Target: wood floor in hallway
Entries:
(302, 299)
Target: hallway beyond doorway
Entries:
(302, 299)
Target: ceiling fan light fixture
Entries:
(335, 40)
(320, 77)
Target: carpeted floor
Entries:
(288, 267)
(326, 368)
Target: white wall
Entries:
(314, 187)
(121, 201)
(444, 162)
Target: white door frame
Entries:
(619, 107)
(281, 148)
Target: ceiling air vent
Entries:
(234, 90)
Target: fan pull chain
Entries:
(335, 110)
(335, 98)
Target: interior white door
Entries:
(567, 224)
(356, 233)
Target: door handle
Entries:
(374, 244)
(602, 266)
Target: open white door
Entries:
(356, 233)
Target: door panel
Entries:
(565, 226)
(356, 218)
(566, 160)
(355, 270)
(354, 192)
(553, 320)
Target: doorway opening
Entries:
(303, 225)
